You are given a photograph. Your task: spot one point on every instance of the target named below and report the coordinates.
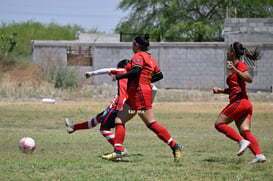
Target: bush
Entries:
(8, 55)
(58, 73)
(66, 78)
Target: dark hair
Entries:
(123, 63)
(241, 51)
(142, 41)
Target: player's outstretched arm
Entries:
(101, 71)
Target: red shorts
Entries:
(141, 100)
(239, 109)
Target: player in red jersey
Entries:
(141, 71)
(107, 117)
(240, 107)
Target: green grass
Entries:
(208, 155)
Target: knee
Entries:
(244, 132)
(149, 125)
(118, 120)
(218, 126)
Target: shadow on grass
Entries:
(224, 160)
(218, 160)
(135, 157)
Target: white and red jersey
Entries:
(110, 71)
(122, 95)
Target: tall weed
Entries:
(66, 78)
(57, 73)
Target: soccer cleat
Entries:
(115, 156)
(69, 124)
(124, 152)
(242, 147)
(259, 159)
(177, 152)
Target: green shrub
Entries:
(8, 52)
(66, 78)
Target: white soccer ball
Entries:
(27, 145)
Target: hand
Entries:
(217, 90)
(87, 75)
(114, 78)
(232, 68)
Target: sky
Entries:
(100, 14)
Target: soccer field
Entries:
(207, 154)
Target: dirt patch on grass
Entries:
(26, 74)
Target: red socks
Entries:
(159, 130)
(229, 132)
(119, 137)
(110, 137)
(162, 133)
(232, 134)
(254, 145)
(88, 124)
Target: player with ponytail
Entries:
(141, 71)
(240, 107)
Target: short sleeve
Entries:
(137, 61)
(156, 70)
(242, 67)
(117, 71)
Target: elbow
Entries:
(157, 77)
(249, 80)
(160, 76)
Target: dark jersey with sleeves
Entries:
(139, 87)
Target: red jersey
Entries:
(139, 88)
(237, 86)
(122, 95)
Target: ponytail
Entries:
(241, 51)
(253, 55)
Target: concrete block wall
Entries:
(189, 65)
(249, 30)
(185, 65)
(97, 38)
(263, 78)
(192, 65)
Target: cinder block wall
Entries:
(185, 65)
(263, 72)
(189, 65)
(249, 30)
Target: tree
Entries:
(187, 20)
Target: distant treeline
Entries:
(19, 35)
